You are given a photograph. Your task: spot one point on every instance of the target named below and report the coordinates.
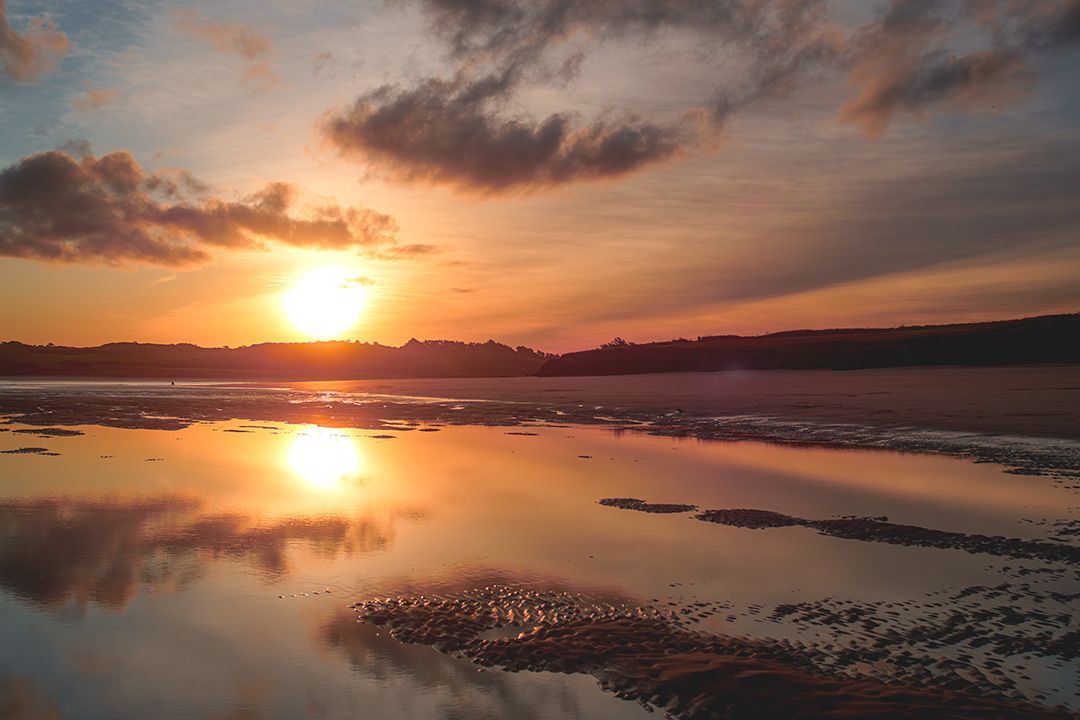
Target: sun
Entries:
(325, 303)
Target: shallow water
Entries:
(205, 571)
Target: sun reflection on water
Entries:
(324, 458)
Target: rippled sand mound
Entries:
(651, 656)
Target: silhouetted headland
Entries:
(338, 360)
(1050, 339)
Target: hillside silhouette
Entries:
(337, 360)
(1045, 339)
(1048, 339)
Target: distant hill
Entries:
(284, 361)
(1046, 339)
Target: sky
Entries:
(552, 173)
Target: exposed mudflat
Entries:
(876, 530)
(642, 506)
(1032, 401)
(650, 656)
(983, 637)
(49, 432)
(29, 451)
(1025, 418)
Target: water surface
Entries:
(206, 571)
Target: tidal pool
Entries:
(211, 571)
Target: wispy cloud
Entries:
(231, 38)
(94, 98)
(904, 63)
(26, 56)
(404, 252)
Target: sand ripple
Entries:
(650, 656)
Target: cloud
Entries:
(56, 206)
(460, 131)
(1008, 204)
(1059, 29)
(902, 62)
(93, 98)
(403, 252)
(454, 132)
(983, 78)
(25, 57)
(227, 38)
(231, 39)
(914, 57)
(319, 61)
(522, 31)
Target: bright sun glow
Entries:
(324, 458)
(324, 303)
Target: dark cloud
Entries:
(454, 132)
(913, 85)
(520, 32)
(462, 131)
(520, 35)
(26, 56)
(903, 63)
(81, 208)
(1056, 28)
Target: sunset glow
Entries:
(324, 458)
(324, 304)
(684, 357)
(649, 176)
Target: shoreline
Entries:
(1027, 400)
(843, 410)
(1024, 400)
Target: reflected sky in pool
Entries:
(205, 572)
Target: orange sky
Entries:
(644, 175)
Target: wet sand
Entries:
(1025, 418)
(1034, 401)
